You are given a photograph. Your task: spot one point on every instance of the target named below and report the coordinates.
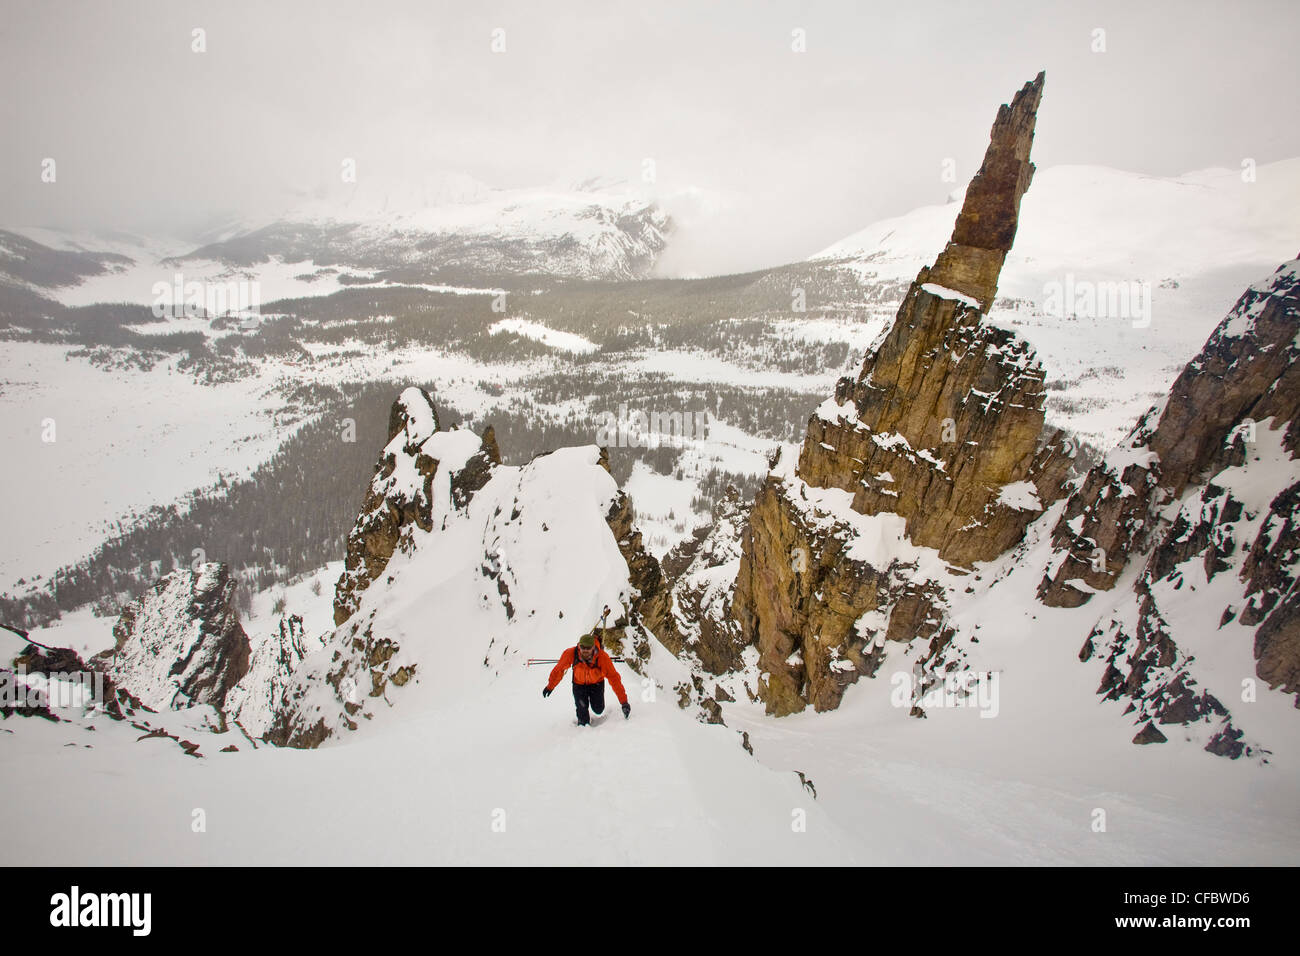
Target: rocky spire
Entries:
(939, 443)
(987, 224)
(949, 407)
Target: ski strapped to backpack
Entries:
(554, 660)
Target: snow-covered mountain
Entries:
(601, 233)
(1107, 223)
(370, 234)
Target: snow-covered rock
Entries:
(1200, 497)
(422, 475)
(481, 579)
(260, 694)
(181, 643)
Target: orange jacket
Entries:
(592, 673)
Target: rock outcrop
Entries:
(181, 642)
(936, 456)
(261, 693)
(1246, 374)
(649, 601)
(703, 570)
(1204, 493)
(26, 690)
(401, 493)
(495, 562)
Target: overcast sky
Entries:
(785, 152)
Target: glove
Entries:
(627, 709)
(546, 692)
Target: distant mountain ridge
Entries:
(592, 231)
(471, 234)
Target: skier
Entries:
(591, 665)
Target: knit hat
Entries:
(587, 640)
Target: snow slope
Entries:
(464, 764)
(123, 440)
(467, 763)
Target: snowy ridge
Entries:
(496, 578)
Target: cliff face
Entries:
(936, 454)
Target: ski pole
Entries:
(531, 661)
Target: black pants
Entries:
(589, 695)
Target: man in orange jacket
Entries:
(591, 665)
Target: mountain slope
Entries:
(477, 238)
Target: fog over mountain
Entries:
(761, 154)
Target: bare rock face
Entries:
(1247, 371)
(945, 426)
(986, 227)
(180, 643)
(1273, 601)
(940, 441)
(703, 571)
(401, 493)
(650, 600)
